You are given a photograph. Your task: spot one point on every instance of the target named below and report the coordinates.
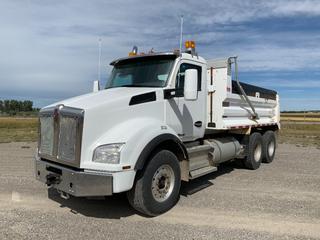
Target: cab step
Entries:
(198, 157)
(202, 171)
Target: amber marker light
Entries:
(190, 44)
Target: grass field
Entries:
(302, 129)
(300, 132)
(301, 117)
(18, 129)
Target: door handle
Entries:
(198, 124)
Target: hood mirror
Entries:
(96, 86)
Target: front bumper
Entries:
(74, 182)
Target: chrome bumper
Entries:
(73, 182)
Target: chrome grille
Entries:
(46, 126)
(67, 138)
(60, 134)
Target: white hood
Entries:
(103, 97)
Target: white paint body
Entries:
(109, 119)
(238, 113)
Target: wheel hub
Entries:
(162, 183)
(257, 152)
(271, 148)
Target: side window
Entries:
(180, 75)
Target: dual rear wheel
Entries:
(260, 148)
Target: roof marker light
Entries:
(190, 45)
(134, 51)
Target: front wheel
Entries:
(156, 189)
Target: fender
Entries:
(140, 135)
(156, 142)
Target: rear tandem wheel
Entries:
(254, 151)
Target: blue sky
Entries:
(49, 49)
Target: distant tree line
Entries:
(304, 111)
(14, 106)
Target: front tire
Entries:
(157, 187)
(269, 146)
(254, 152)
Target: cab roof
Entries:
(161, 55)
(145, 56)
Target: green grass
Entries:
(18, 129)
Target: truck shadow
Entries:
(117, 206)
(111, 207)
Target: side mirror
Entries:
(191, 84)
(96, 86)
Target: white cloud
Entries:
(290, 84)
(296, 7)
(49, 48)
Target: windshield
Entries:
(144, 72)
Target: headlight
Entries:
(109, 153)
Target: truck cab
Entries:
(162, 118)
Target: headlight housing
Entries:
(109, 153)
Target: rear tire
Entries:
(268, 146)
(157, 187)
(254, 152)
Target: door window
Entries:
(181, 74)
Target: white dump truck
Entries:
(162, 118)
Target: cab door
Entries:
(187, 118)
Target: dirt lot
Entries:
(278, 201)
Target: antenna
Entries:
(181, 32)
(180, 52)
(99, 63)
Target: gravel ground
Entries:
(278, 201)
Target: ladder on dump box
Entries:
(254, 114)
